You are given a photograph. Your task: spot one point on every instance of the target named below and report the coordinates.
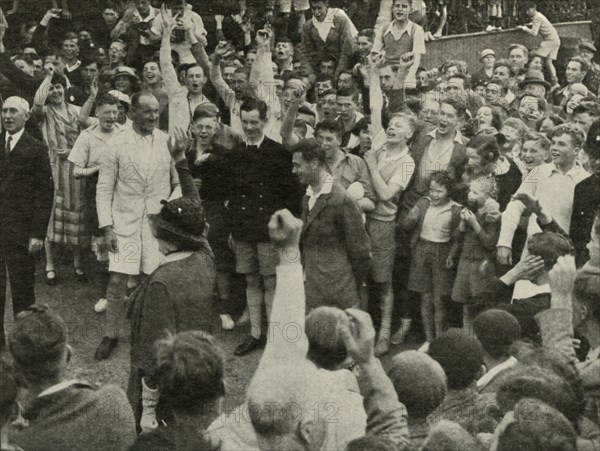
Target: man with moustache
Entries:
(136, 174)
(26, 194)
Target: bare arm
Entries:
(39, 100)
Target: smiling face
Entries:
(398, 130)
(195, 80)
(70, 48)
(536, 63)
(151, 73)
(123, 83)
(107, 116)
(204, 130)
(252, 125)
(438, 193)
(306, 171)
(448, 120)
(14, 116)
(484, 116)
(145, 114)
(533, 155)
(401, 9)
(476, 196)
(116, 53)
(574, 72)
(56, 94)
(563, 150)
(364, 45)
(517, 58)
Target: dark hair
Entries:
(310, 150)
(329, 125)
(583, 63)
(463, 77)
(537, 427)
(486, 147)
(371, 443)
(368, 33)
(251, 104)
(186, 67)
(555, 118)
(530, 4)
(443, 178)
(590, 107)
(106, 99)
(459, 355)
(347, 93)
(328, 59)
(59, 79)
(458, 104)
(361, 125)
(540, 139)
(549, 246)
(326, 347)
(503, 62)
(189, 370)
(37, 344)
(496, 330)
(322, 78)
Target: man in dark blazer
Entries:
(336, 249)
(26, 194)
(260, 183)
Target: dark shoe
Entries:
(80, 277)
(248, 345)
(51, 280)
(105, 348)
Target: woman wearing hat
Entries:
(125, 80)
(58, 120)
(178, 295)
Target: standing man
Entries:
(261, 183)
(136, 174)
(26, 194)
(336, 247)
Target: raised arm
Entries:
(166, 65)
(287, 124)
(179, 142)
(216, 78)
(261, 75)
(39, 100)
(289, 302)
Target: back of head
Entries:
(538, 383)
(549, 246)
(447, 435)
(310, 150)
(38, 344)
(280, 402)
(326, 348)
(189, 370)
(419, 381)
(496, 330)
(460, 356)
(536, 426)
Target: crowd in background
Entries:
(302, 149)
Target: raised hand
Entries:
(263, 38)
(504, 255)
(285, 229)
(179, 141)
(168, 20)
(359, 336)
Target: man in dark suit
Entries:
(336, 249)
(26, 194)
(261, 183)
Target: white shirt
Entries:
(327, 24)
(593, 354)
(491, 374)
(14, 138)
(312, 197)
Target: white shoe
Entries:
(226, 322)
(400, 336)
(490, 28)
(100, 306)
(424, 348)
(244, 319)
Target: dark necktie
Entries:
(252, 148)
(8, 143)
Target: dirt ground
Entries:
(74, 301)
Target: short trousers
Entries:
(548, 49)
(254, 257)
(428, 272)
(137, 252)
(383, 248)
(299, 5)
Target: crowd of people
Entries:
(366, 201)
